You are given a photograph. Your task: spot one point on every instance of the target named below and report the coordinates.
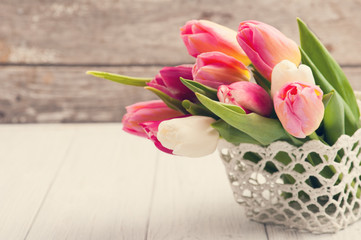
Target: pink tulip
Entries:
(249, 96)
(169, 83)
(201, 36)
(215, 68)
(266, 46)
(151, 129)
(144, 112)
(299, 107)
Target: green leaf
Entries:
(197, 109)
(139, 82)
(327, 66)
(349, 119)
(327, 97)
(231, 134)
(171, 102)
(264, 130)
(334, 120)
(263, 82)
(232, 107)
(200, 88)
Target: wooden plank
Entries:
(193, 200)
(103, 190)
(354, 76)
(63, 94)
(41, 94)
(278, 233)
(147, 31)
(30, 158)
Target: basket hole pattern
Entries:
(314, 187)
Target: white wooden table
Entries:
(93, 181)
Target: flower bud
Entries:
(299, 107)
(286, 72)
(215, 68)
(249, 96)
(146, 111)
(266, 46)
(201, 36)
(151, 129)
(168, 82)
(191, 136)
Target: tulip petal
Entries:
(200, 36)
(215, 68)
(266, 46)
(287, 72)
(190, 136)
(168, 82)
(307, 117)
(250, 96)
(289, 121)
(151, 129)
(257, 61)
(299, 107)
(143, 112)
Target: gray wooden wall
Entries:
(47, 45)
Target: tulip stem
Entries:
(314, 136)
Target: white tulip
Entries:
(286, 72)
(189, 136)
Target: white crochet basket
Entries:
(277, 184)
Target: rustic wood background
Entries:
(47, 45)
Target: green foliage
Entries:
(341, 113)
(200, 88)
(327, 97)
(231, 134)
(139, 82)
(171, 102)
(262, 129)
(197, 109)
(263, 82)
(327, 66)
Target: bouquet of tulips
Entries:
(252, 86)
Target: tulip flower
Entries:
(191, 136)
(299, 107)
(144, 112)
(215, 68)
(286, 72)
(151, 129)
(266, 46)
(169, 83)
(201, 36)
(249, 96)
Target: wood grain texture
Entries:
(92, 181)
(279, 233)
(67, 94)
(47, 45)
(29, 160)
(147, 31)
(102, 191)
(53, 94)
(193, 200)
